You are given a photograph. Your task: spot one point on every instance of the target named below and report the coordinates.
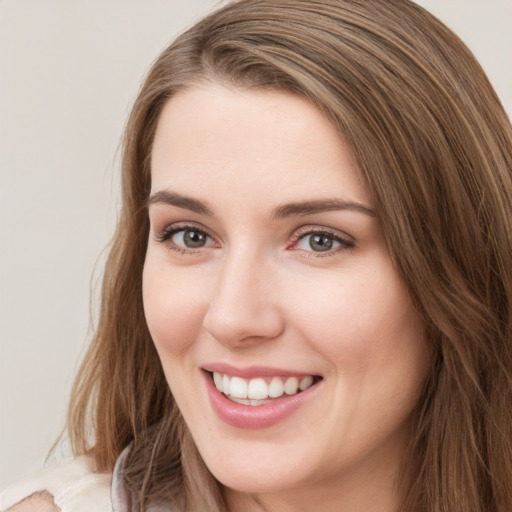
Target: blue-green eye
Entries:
(322, 242)
(318, 242)
(190, 238)
(183, 238)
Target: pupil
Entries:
(194, 239)
(320, 243)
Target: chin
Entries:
(247, 472)
(255, 482)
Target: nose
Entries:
(245, 308)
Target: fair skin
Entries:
(241, 278)
(38, 502)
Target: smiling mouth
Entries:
(261, 390)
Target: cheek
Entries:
(361, 322)
(371, 340)
(174, 306)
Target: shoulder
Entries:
(37, 502)
(72, 486)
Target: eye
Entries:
(321, 241)
(318, 242)
(184, 238)
(190, 238)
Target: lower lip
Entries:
(259, 416)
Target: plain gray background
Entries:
(69, 71)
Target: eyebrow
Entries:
(286, 210)
(319, 206)
(171, 198)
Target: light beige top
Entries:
(73, 485)
(76, 488)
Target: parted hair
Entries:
(435, 147)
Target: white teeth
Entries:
(257, 391)
(275, 388)
(225, 384)
(291, 385)
(238, 388)
(246, 401)
(217, 378)
(305, 382)
(243, 401)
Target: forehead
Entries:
(211, 134)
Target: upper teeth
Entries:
(259, 388)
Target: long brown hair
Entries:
(435, 146)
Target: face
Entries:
(285, 333)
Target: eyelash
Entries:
(345, 242)
(167, 233)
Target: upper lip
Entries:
(253, 371)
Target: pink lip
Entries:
(261, 416)
(251, 372)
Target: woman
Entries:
(307, 301)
